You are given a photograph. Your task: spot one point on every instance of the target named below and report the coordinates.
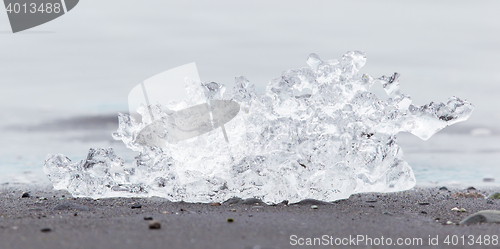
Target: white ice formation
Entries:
(316, 132)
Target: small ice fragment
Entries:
(314, 61)
(391, 84)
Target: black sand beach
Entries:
(53, 219)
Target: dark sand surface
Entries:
(112, 223)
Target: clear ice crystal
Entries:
(315, 133)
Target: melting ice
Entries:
(317, 132)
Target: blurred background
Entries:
(63, 83)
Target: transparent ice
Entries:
(316, 132)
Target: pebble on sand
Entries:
(314, 207)
(45, 230)
(148, 218)
(25, 195)
(137, 205)
(154, 224)
(494, 196)
(486, 216)
(215, 204)
(230, 219)
(471, 188)
(459, 209)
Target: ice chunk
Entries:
(336, 140)
(100, 173)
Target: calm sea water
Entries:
(85, 63)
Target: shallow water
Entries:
(449, 159)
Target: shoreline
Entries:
(53, 219)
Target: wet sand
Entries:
(40, 221)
